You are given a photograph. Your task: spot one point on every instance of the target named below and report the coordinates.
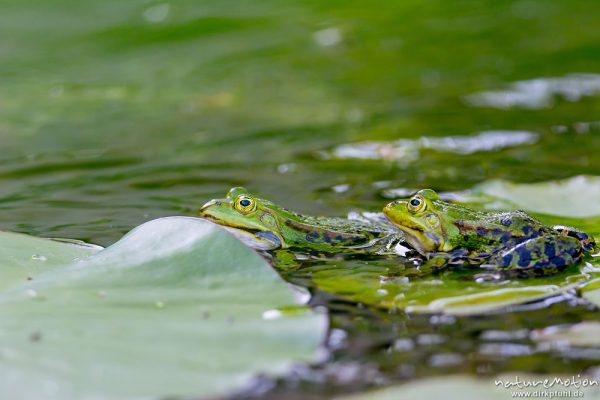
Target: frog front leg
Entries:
(540, 255)
(283, 260)
(441, 260)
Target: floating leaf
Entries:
(177, 307)
(452, 292)
(576, 197)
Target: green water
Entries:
(108, 120)
(114, 113)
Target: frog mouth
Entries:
(259, 240)
(254, 238)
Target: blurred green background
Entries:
(116, 112)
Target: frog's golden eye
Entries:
(245, 204)
(416, 204)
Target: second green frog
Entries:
(449, 234)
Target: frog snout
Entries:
(208, 205)
(393, 206)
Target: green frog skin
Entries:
(450, 234)
(264, 225)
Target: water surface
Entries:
(115, 113)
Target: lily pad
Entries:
(454, 293)
(577, 197)
(24, 257)
(177, 307)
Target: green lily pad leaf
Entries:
(487, 300)
(500, 387)
(178, 307)
(24, 257)
(577, 197)
(451, 293)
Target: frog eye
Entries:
(416, 204)
(245, 204)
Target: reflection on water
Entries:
(538, 93)
(406, 150)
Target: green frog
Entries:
(263, 225)
(514, 242)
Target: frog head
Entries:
(252, 220)
(424, 221)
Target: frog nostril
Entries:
(210, 204)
